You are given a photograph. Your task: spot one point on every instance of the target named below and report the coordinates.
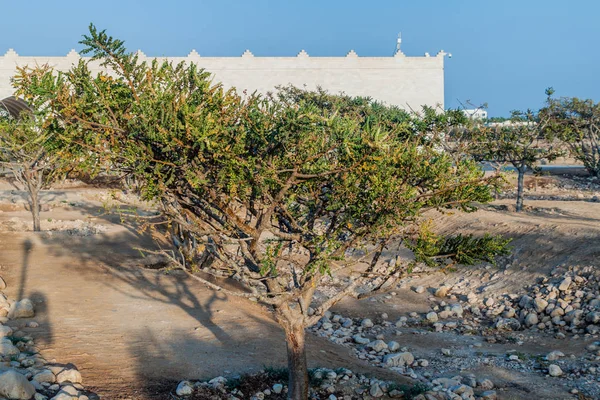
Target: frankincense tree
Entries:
(522, 143)
(577, 123)
(30, 148)
(277, 192)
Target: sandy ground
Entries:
(127, 328)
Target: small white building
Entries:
(477, 113)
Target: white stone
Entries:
(398, 359)
(457, 310)
(554, 355)
(401, 322)
(366, 323)
(375, 390)
(21, 309)
(5, 331)
(7, 348)
(377, 345)
(565, 284)
(463, 391)
(326, 326)
(432, 316)
(218, 382)
(531, 319)
(488, 395)
(557, 312)
(66, 375)
(15, 386)
(360, 340)
(540, 304)
(554, 370)
(442, 291)
(44, 376)
(277, 388)
(446, 382)
(63, 396)
(393, 346)
(185, 388)
(70, 390)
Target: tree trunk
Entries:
(298, 370)
(521, 171)
(35, 210)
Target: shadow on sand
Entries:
(198, 334)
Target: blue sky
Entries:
(505, 52)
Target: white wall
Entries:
(400, 80)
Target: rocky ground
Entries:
(528, 328)
(563, 307)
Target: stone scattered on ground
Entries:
(565, 304)
(329, 384)
(554, 370)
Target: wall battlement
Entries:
(399, 80)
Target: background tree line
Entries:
(562, 127)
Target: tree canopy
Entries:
(577, 123)
(32, 148)
(523, 143)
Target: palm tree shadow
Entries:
(45, 335)
(39, 299)
(27, 247)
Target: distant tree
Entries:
(278, 193)
(30, 149)
(498, 119)
(523, 143)
(577, 123)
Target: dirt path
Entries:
(128, 329)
